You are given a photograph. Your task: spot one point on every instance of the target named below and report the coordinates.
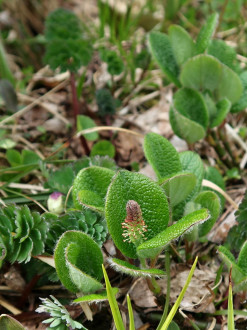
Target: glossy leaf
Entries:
(90, 187)
(127, 186)
(161, 155)
(182, 44)
(161, 49)
(129, 269)
(78, 261)
(178, 187)
(152, 247)
(206, 33)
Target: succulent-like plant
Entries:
(22, 233)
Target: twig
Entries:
(9, 306)
(108, 128)
(213, 186)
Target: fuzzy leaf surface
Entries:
(206, 33)
(127, 186)
(190, 103)
(211, 201)
(204, 72)
(222, 109)
(161, 155)
(242, 258)
(178, 187)
(78, 261)
(182, 44)
(150, 248)
(93, 179)
(161, 49)
(95, 298)
(129, 269)
(186, 128)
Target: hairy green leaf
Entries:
(78, 261)
(90, 187)
(95, 298)
(161, 155)
(182, 44)
(129, 269)
(9, 323)
(211, 201)
(161, 49)
(190, 103)
(186, 128)
(222, 109)
(150, 248)
(178, 187)
(127, 186)
(204, 72)
(206, 33)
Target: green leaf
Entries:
(161, 49)
(9, 323)
(113, 303)
(95, 298)
(7, 144)
(161, 155)
(230, 314)
(150, 248)
(29, 157)
(204, 72)
(78, 261)
(206, 33)
(103, 148)
(171, 8)
(131, 315)
(84, 122)
(14, 157)
(185, 128)
(228, 258)
(242, 102)
(211, 201)
(222, 109)
(127, 186)
(178, 187)
(129, 269)
(182, 44)
(190, 103)
(180, 297)
(90, 187)
(242, 258)
(223, 52)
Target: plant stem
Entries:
(76, 111)
(168, 289)
(75, 102)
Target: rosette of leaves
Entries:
(86, 221)
(115, 65)
(105, 101)
(239, 266)
(66, 47)
(207, 75)
(22, 233)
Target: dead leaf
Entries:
(142, 296)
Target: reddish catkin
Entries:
(134, 227)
